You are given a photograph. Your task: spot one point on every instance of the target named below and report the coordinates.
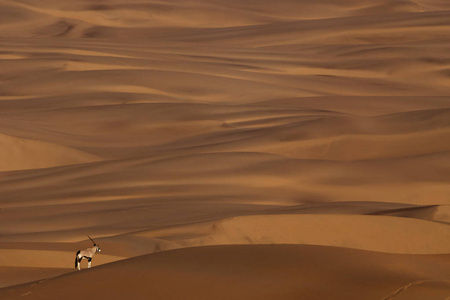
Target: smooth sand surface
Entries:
(252, 272)
(159, 125)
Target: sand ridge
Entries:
(252, 272)
(154, 126)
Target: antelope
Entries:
(87, 253)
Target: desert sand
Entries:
(225, 149)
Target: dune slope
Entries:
(250, 272)
(154, 125)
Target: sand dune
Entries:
(156, 125)
(19, 153)
(75, 18)
(252, 272)
(42, 258)
(13, 275)
(393, 235)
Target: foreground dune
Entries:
(155, 125)
(252, 272)
(13, 275)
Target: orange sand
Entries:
(158, 125)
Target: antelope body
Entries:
(87, 253)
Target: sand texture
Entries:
(252, 272)
(225, 149)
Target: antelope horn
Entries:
(91, 240)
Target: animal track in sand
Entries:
(404, 288)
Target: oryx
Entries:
(87, 253)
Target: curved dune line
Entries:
(415, 283)
(47, 258)
(19, 154)
(374, 233)
(262, 135)
(365, 146)
(253, 272)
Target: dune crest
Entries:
(392, 235)
(252, 272)
(156, 125)
(21, 154)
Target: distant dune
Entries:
(19, 154)
(320, 126)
